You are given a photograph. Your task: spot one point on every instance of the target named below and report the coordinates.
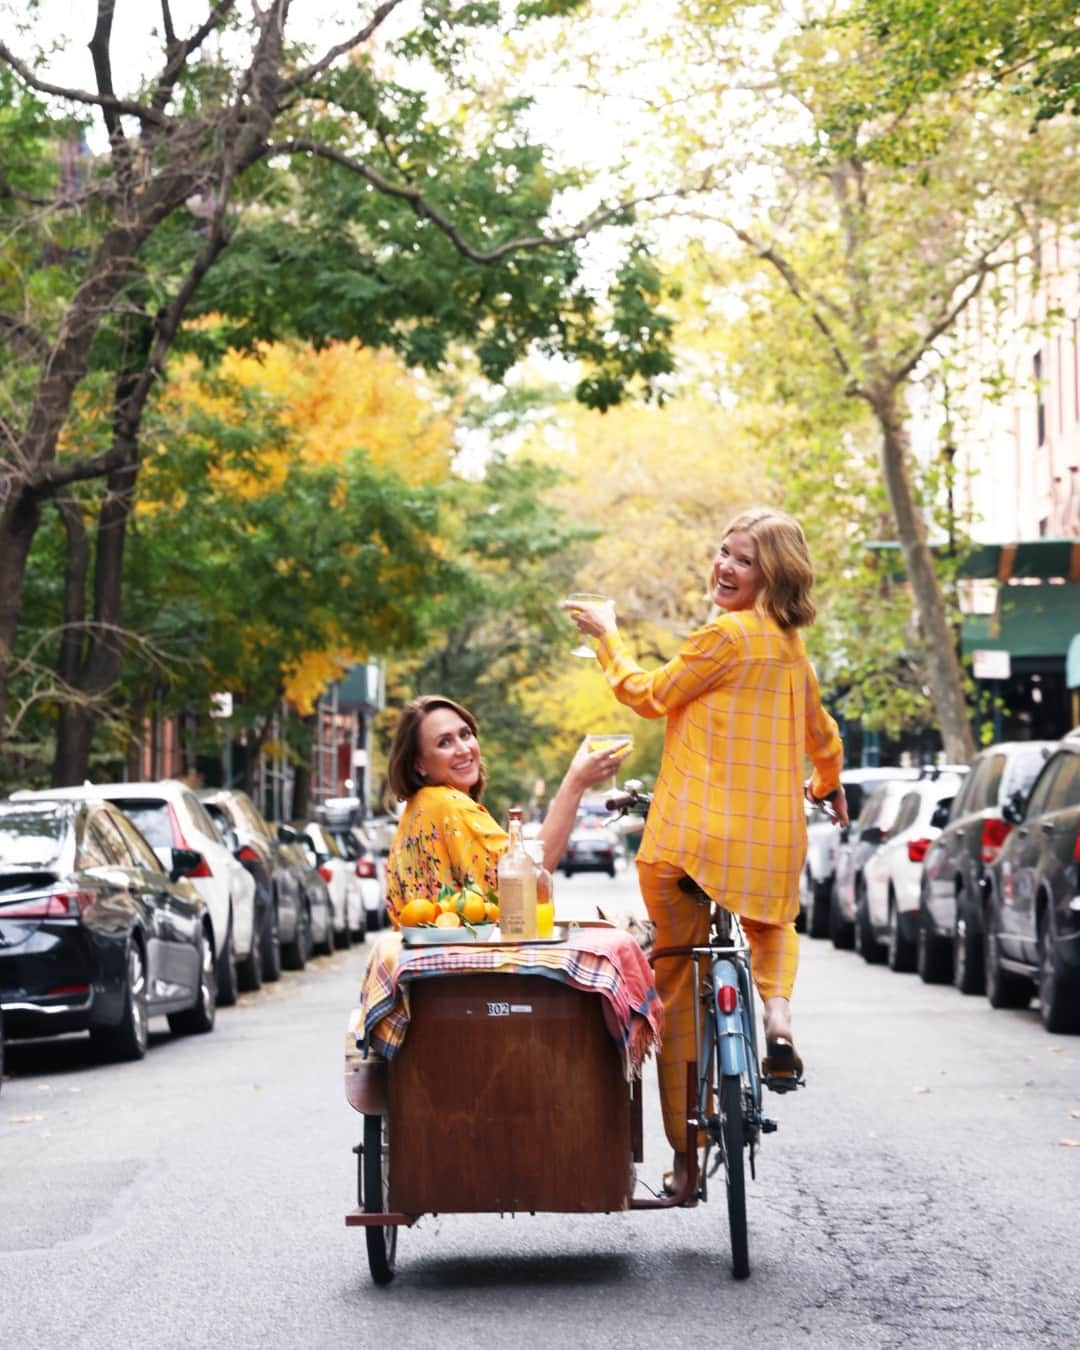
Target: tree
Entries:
(319, 194)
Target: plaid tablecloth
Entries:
(604, 961)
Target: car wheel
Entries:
(931, 953)
(568, 871)
(1004, 989)
(342, 937)
(967, 950)
(249, 970)
(226, 972)
(866, 944)
(199, 1018)
(611, 871)
(326, 946)
(1059, 1001)
(128, 1039)
(294, 954)
(817, 925)
(841, 930)
(271, 945)
(900, 950)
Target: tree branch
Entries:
(309, 73)
(425, 211)
(24, 337)
(119, 105)
(177, 53)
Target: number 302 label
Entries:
(505, 1009)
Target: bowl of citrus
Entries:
(465, 915)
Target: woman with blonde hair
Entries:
(743, 709)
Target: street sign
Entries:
(991, 665)
(221, 705)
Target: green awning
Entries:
(1044, 559)
(1031, 621)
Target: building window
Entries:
(1037, 371)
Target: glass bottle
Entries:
(516, 885)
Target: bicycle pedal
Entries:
(768, 1126)
(780, 1082)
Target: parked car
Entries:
(280, 878)
(1033, 916)
(823, 838)
(880, 798)
(171, 818)
(94, 935)
(955, 881)
(370, 870)
(346, 896)
(893, 872)
(591, 848)
(315, 933)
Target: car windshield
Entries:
(32, 839)
(150, 818)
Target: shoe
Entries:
(781, 1069)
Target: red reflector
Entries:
(994, 833)
(1076, 848)
(247, 854)
(916, 849)
(46, 907)
(325, 873)
(728, 998)
(365, 867)
(67, 990)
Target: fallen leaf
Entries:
(24, 1120)
(1069, 1143)
(74, 1090)
(1007, 1096)
(1075, 1115)
(257, 1087)
(1055, 1049)
(920, 1090)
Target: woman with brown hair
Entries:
(445, 835)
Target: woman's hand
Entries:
(592, 620)
(589, 768)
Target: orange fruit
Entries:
(491, 910)
(446, 904)
(448, 919)
(474, 910)
(417, 912)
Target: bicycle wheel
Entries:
(731, 1114)
(381, 1241)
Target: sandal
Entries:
(781, 1069)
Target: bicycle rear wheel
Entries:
(731, 1115)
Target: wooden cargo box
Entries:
(508, 1093)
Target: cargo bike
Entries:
(543, 1068)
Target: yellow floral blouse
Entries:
(443, 838)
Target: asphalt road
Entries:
(921, 1190)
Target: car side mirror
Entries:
(1012, 809)
(940, 818)
(872, 834)
(184, 862)
(287, 835)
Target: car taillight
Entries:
(365, 867)
(728, 998)
(203, 869)
(1076, 848)
(62, 905)
(247, 854)
(994, 833)
(325, 873)
(916, 849)
(68, 991)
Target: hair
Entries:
(784, 560)
(401, 771)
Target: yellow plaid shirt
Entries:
(742, 708)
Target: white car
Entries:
(345, 887)
(892, 875)
(170, 816)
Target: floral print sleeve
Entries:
(443, 838)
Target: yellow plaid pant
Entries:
(682, 921)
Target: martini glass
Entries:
(583, 598)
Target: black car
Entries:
(1033, 918)
(955, 882)
(316, 934)
(590, 848)
(93, 936)
(279, 879)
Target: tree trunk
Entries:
(944, 673)
(18, 525)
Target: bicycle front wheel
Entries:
(731, 1115)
